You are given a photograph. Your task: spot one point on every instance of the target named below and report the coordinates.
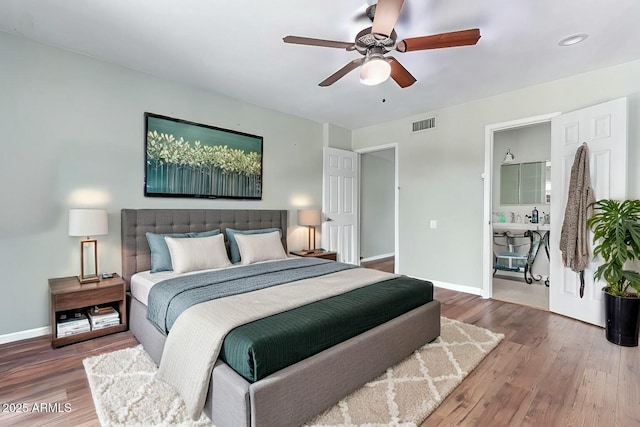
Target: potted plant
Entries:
(616, 232)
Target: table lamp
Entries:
(85, 223)
(310, 218)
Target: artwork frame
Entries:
(194, 160)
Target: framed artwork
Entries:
(186, 159)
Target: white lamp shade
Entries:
(88, 222)
(374, 71)
(309, 217)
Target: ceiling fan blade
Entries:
(386, 16)
(342, 72)
(316, 42)
(438, 41)
(400, 74)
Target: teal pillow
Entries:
(233, 245)
(160, 256)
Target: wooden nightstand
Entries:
(333, 256)
(66, 294)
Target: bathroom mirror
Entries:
(510, 184)
(525, 183)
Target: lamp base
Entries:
(88, 261)
(312, 230)
(90, 279)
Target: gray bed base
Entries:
(295, 394)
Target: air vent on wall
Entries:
(425, 124)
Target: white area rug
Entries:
(407, 393)
(125, 391)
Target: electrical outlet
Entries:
(433, 223)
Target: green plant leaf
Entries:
(616, 233)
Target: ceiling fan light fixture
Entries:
(375, 71)
(380, 38)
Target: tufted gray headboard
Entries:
(136, 222)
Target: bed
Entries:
(293, 394)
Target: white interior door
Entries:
(340, 204)
(604, 128)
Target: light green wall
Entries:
(337, 137)
(440, 169)
(73, 136)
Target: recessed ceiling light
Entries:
(574, 39)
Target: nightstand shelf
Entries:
(333, 256)
(67, 294)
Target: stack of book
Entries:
(103, 317)
(71, 324)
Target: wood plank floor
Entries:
(548, 371)
(33, 374)
(384, 264)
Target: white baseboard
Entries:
(454, 287)
(458, 288)
(377, 257)
(24, 335)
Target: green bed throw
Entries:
(260, 348)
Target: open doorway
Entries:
(521, 214)
(517, 183)
(378, 227)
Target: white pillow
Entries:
(197, 253)
(260, 247)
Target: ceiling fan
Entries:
(375, 41)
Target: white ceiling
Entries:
(236, 47)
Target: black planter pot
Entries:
(622, 315)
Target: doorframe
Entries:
(487, 230)
(396, 210)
